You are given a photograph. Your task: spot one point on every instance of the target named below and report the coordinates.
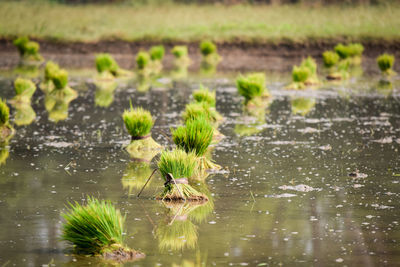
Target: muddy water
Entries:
(285, 196)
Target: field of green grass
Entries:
(52, 21)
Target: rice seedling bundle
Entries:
(201, 109)
(24, 89)
(6, 130)
(97, 229)
(106, 63)
(385, 64)
(142, 60)
(207, 48)
(252, 86)
(180, 51)
(176, 167)
(196, 136)
(157, 53)
(203, 94)
(27, 49)
(4, 153)
(330, 59)
(351, 52)
(139, 123)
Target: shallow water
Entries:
(284, 197)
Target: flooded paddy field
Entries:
(311, 179)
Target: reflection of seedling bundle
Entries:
(50, 69)
(97, 229)
(385, 64)
(195, 137)
(27, 71)
(104, 95)
(209, 52)
(252, 88)
(27, 49)
(200, 212)
(24, 90)
(302, 105)
(135, 175)
(178, 232)
(304, 75)
(142, 60)
(251, 121)
(139, 123)
(181, 55)
(6, 130)
(4, 153)
(156, 55)
(176, 167)
(24, 113)
(107, 67)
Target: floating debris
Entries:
(285, 195)
(299, 188)
(358, 174)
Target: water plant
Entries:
(27, 49)
(6, 130)
(97, 229)
(252, 87)
(176, 167)
(196, 136)
(385, 64)
(203, 94)
(24, 89)
(139, 123)
(142, 60)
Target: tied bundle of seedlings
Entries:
(156, 55)
(196, 136)
(139, 122)
(336, 70)
(143, 63)
(194, 111)
(49, 71)
(136, 175)
(252, 88)
(177, 231)
(351, 53)
(28, 50)
(108, 68)
(385, 64)
(304, 75)
(176, 167)
(302, 105)
(180, 52)
(97, 229)
(24, 90)
(6, 130)
(209, 52)
(203, 94)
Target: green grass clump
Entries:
(207, 48)
(4, 113)
(157, 53)
(60, 79)
(28, 49)
(24, 88)
(330, 59)
(203, 94)
(138, 121)
(50, 69)
(179, 164)
(96, 229)
(251, 86)
(142, 60)
(385, 63)
(201, 109)
(180, 51)
(106, 63)
(195, 136)
(300, 74)
(350, 50)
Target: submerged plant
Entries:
(385, 64)
(27, 49)
(157, 53)
(176, 167)
(203, 94)
(97, 229)
(142, 60)
(196, 136)
(6, 130)
(330, 59)
(139, 122)
(24, 89)
(251, 86)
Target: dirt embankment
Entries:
(237, 56)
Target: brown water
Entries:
(309, 141)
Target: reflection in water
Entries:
(302, 105)
(136, 175)
(24, 114)
(384, 87)
(4, 152)
(27, 71)
(104, 95)
(57, 102)
(207, 68)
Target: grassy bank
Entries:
(192, 23)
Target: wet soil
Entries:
(253, 56)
